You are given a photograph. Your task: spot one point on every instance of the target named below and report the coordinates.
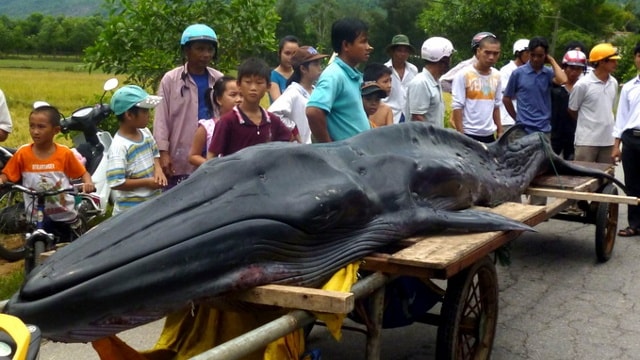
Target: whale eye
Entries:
(362, 171)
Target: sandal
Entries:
(628, 231)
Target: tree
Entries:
(141, 37)
(459, 21)
(325, 13)
(291, 23)
(396, 17)
(51, 36)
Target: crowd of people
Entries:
(202, 114)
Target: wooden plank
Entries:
(577, 183)
(443, 251)
(380, 262)
(295, 297)
(580, 183)
(578, 195)
(556, 206)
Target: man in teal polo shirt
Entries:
(335, 111)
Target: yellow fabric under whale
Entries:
(190, 332)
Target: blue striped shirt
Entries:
(129, 159)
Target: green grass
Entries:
(10, 283)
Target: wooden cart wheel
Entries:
(606, 225)
(469, 313)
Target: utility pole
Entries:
(554, 38)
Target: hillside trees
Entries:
(141, 38)
(459, 21)
(311, 21)
(560, 21)
(44, 34)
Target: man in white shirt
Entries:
(591, 104)
(6, 125)
(447, 78)
(477, 94)
(627, 131)
(424, 95)
(402, 73)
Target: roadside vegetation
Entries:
(60, 82)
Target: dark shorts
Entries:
(174, 180)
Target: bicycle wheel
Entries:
(13, 225)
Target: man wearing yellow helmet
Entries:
(591, 104)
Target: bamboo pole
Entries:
(263, 335)
(577, 195)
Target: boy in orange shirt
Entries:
(45, 165)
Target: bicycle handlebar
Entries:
(36, 193)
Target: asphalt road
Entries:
(556, 302)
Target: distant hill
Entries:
(23, 8)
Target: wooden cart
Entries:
(470, 303)
(598, 201)
(468, 316)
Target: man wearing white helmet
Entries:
(424, 94)
(477, 94)
(183, 89)
(520, 57)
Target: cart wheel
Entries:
(469, 313)
(606, 225)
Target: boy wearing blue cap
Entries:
(133, 168)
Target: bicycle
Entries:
(39, 240)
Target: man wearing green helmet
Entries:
(183, 90)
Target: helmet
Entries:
(575, 58)
(475, 42)
(520, 46)
(435, 48)
(602, 52)
(198, 32)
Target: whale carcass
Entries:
(278, 213)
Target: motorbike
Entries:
(92, 144)
(18, 341)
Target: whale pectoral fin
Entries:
(475, 220)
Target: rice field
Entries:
(67, 90)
